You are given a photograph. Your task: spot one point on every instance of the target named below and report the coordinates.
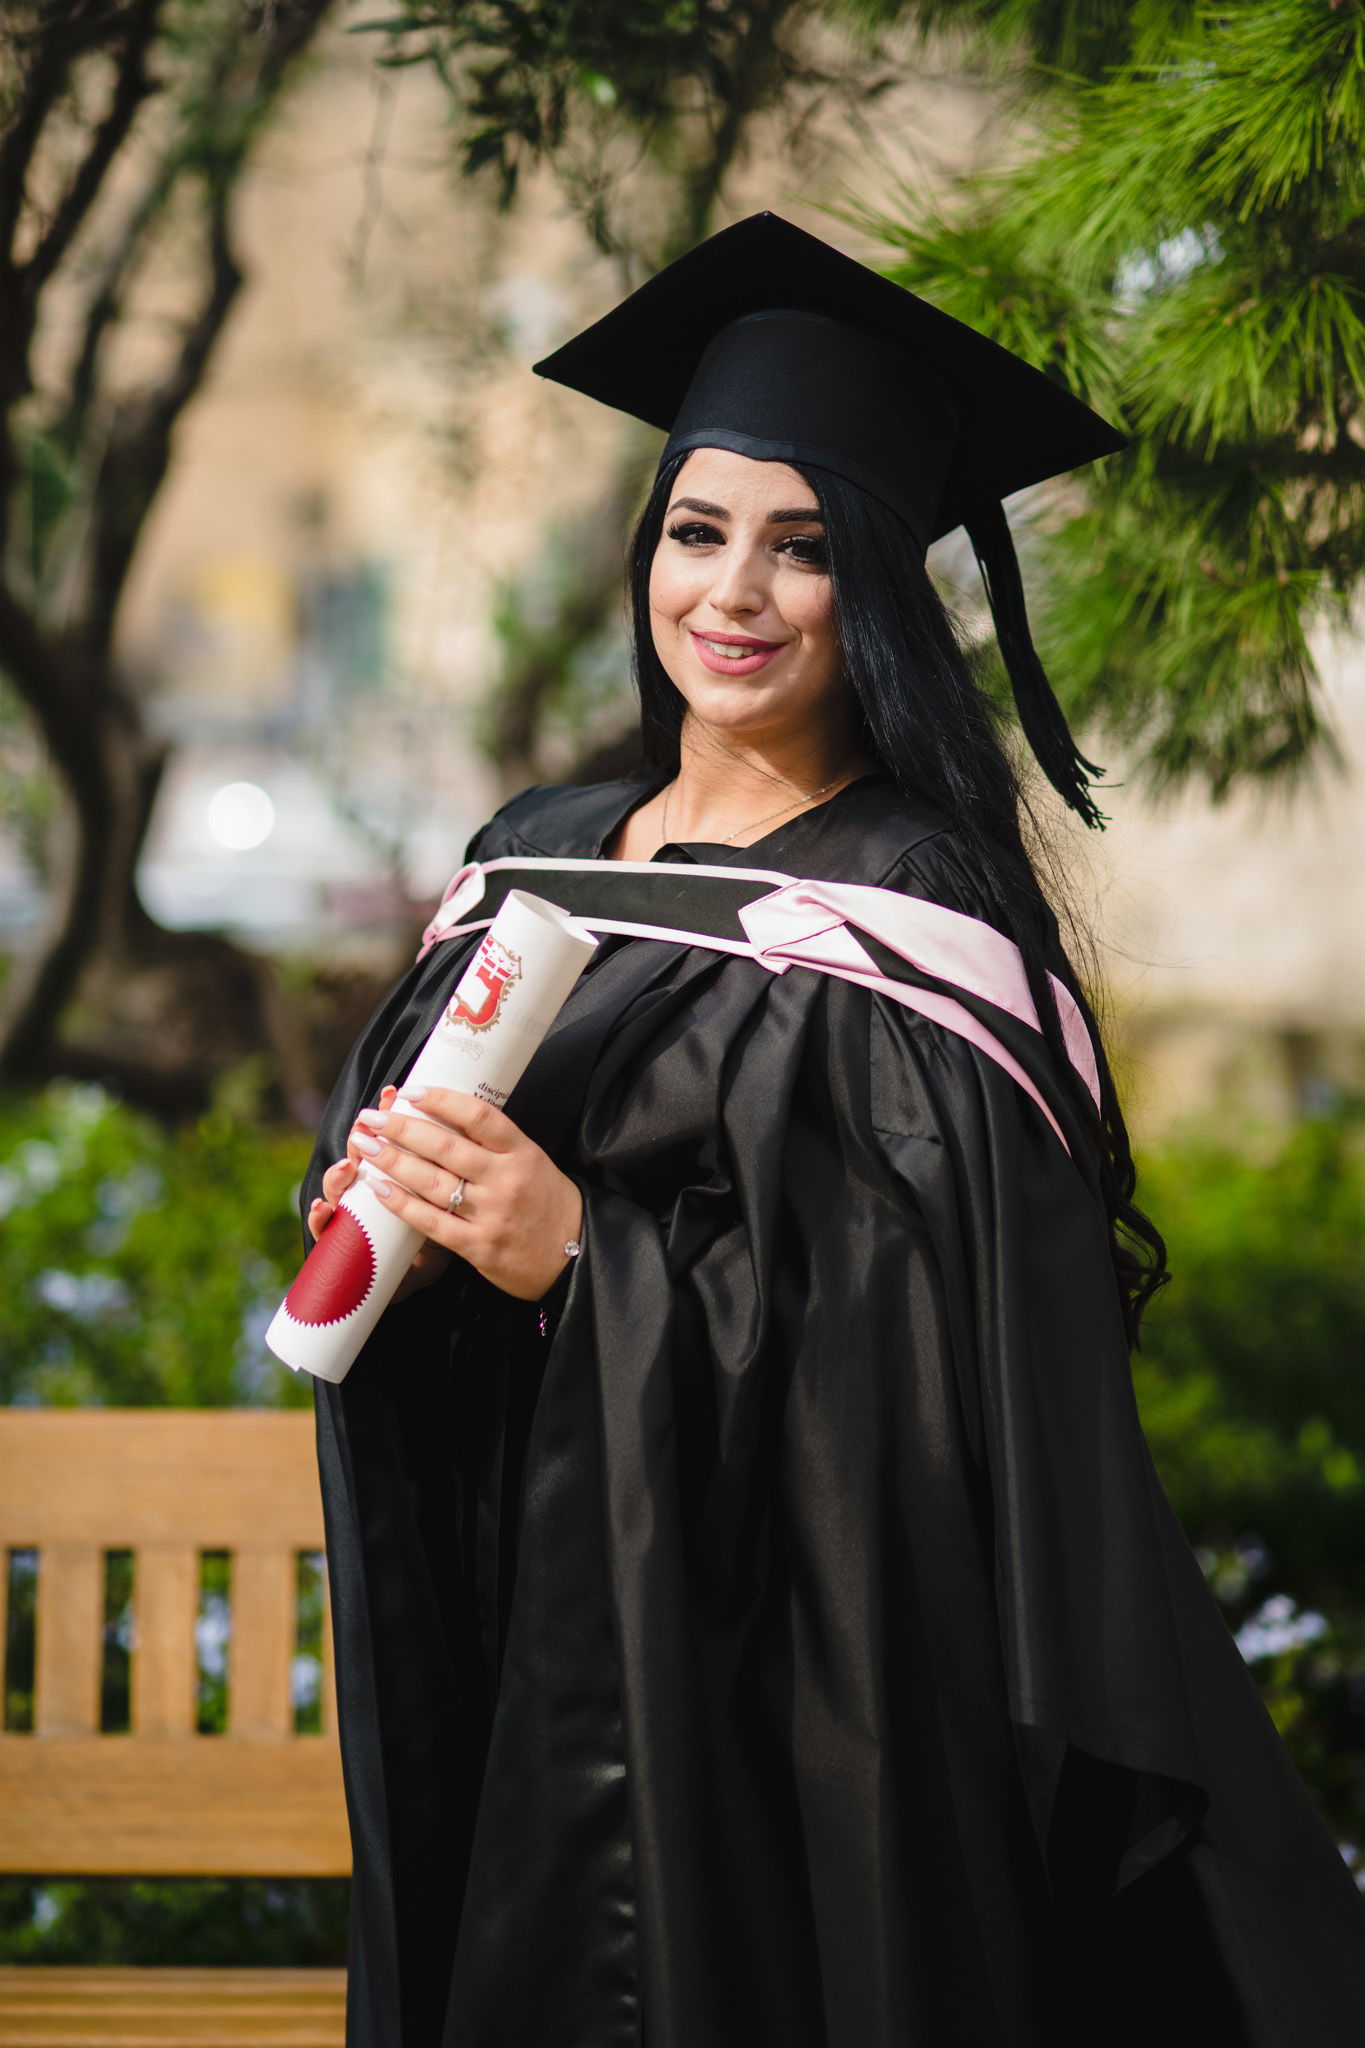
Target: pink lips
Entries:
(725, 665)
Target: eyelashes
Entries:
(809, 549)
(694, 533)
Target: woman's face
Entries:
(741, 602)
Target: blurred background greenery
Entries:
(300, 571)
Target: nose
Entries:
(739, 588)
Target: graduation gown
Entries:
(781, 1635)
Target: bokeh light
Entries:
(241, 816)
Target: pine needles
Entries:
(1186, 250)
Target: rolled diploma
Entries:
(505, 1002)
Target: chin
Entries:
(735, 700)
(722, 712)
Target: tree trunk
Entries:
(108, 993)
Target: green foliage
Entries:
(1253, 1401)
(528, 75)
(140, 1265)
(173, 1247)
(1183, 249)
(1249, 1377)
(27, 789)
(1081, 38)
(193, 1923)
(640, 110)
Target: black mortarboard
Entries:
(765, 340)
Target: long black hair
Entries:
(925, 719)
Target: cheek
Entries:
(672, 585)
(810, 609)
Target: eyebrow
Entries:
(809, 513)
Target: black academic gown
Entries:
(792, 1646)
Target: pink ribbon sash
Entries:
(807, 923)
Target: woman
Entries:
(757, 1617)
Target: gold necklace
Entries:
(808, 798)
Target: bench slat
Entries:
(70, 1619)
(329, 1669)
(165, 1662)
(173, 2008)
(118, 1478)
(118, 1805)
(263, 1588)
(4, 1621)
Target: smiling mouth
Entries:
(736, 650)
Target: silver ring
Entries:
(456, 1195)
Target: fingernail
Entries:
(377, 1117)
(414, 1094)
(370, 1146)
(316, 1203)
(343, 1161)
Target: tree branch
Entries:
(1285, 458)
(738, 103)
(31, 665)
(137, 454)
(133, 87)
(57, 46)
(54, 53)
(105, 303)
(139, 448)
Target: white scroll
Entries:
(527, 962)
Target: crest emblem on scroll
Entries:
(495, 969)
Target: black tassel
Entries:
(1045, 729)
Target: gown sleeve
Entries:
(1143, 1741)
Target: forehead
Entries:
(741, 484)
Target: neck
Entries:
(725, 782)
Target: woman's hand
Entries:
(517, 1211)
(431, 1260)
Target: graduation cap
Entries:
(767, 341)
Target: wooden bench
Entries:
(161, 1799)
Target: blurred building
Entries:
(316, 606)
(1234, 939)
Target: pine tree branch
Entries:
(1285, 459)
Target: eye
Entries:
(807, 548)
(695, 533)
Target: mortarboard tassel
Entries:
(1045, 727)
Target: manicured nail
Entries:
(414, 1094)
(370, 1146)
(377, 1117)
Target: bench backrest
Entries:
(166, 1485)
